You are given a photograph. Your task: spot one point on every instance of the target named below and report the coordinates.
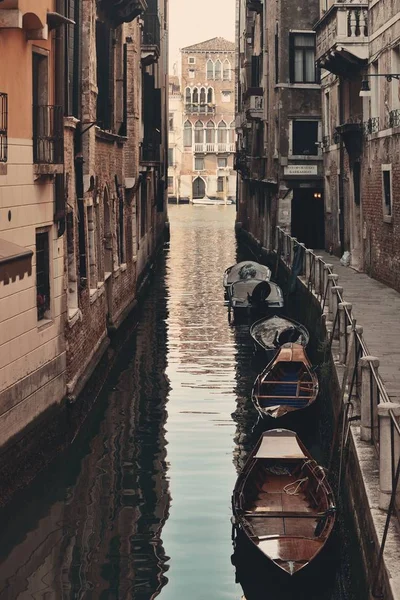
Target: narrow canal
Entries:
(139, 506)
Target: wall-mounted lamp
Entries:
(365, 90)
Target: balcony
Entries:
(48, 139)
(225, 147)
(342, 38)
(255, 108)
(209, 147)
(116, 12)
(150, 152)
(200, 109)
(151, 38)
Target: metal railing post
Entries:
(327, 270)
(343, 307)
(332, 282)
(385, 452)
(318, 272)
(336, 297)
(368, 395)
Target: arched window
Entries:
(187, 134)
(202, 95)
(199, 132)
(210, 95)
(226, 70)
(218, 70)
(210, 69)
(195, 96)
(210, 132)
(222, 133)
(188, 96)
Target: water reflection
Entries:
(140, 506)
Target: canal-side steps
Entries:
(363, 331)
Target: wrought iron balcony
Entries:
(371, 126)
(394, 118)
(120, 11)
(3, 127)
(48, 135)
(342, 37)
(151, 37)
(150, 151)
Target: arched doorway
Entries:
(199, 188)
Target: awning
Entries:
(15, 261)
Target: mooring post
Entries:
(318, 273)
(343, 307)
(336, 297)
(386, 460)
(332, 282)
(368, 395)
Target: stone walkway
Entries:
(376, 309)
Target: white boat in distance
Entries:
(210, 201)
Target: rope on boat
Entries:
(293, 488)
(279, 470)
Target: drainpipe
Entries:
(59, 76)
(341, 166)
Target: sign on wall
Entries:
(301, 170)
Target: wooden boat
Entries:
(244, 270)
(283, 502)
(254, 295)
(270, 333)
(286, 384)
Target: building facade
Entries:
(208, 130)
(358, 48)
(279, 156)
(83, 188)
(175, 140)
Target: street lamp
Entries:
(365, 90)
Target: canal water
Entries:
(139, 506)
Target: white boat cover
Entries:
(280, 444)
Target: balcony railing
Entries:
(228, 147)
(342, 36)
(200, 109)
(48, 135)
(394, 118)
(151, 30)
(3, 127)
(371, 126)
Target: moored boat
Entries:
(254, 296)
(248, 269)
(287, 383)
(270, 333)
(283, 502)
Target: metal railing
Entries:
(200, 109)
(151, 30)
(3, 127)
(394, 118)
(379, 423)
(371, 126)
(48, 135)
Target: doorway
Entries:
(308, 223)
(199, 188)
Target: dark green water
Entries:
(139, 506)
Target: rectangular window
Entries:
(222, 163)
(220, 184)
(171, 121)
(170, 157)
(395, 83)
(105, 94)
(143, 207)
(170, 183)
(191, 73)
(302, 58)
(305, 138)
(387, 192)
(226, 96)
(42, 275)
(192, 60)
(199, 164)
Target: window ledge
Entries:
(123, 267)
(387, 218)
(44, 324)
(107, 275)
(74, 315)
(93, 294)
(116, 272)
(70, 122)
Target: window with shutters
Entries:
(302, 58)
(387, 192)
(105, 105)
(42, 275)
